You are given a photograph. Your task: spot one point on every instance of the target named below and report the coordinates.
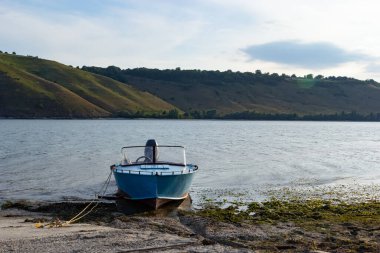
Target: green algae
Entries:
(21, 204)
(64, 210)
(298, 211)
(292, 225)
(301, 225)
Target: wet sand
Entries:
(172, 230)
(115, 232)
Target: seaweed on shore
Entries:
(65, 210)
(273, 225)
(334, 226)
(22, 204)
(298, 211)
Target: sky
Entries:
(335, 37)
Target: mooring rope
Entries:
(82, 213)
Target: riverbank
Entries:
(272, 226)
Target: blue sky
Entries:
(333, 37)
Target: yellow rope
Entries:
(80, 215)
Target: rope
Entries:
(81, 214)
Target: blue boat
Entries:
(153, 174)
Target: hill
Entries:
(32, 87)
(226, 93)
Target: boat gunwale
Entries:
(157, 163)
(158, 146)
(154, 171)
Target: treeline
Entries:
(209, 77)
(250, 115)
(343, 116)
(171, 114)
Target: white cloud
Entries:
(316, 55)
(189, 34)
(373, 68)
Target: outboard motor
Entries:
(151, 151)
(151, 143)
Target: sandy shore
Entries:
(180, 231)
(118, 234)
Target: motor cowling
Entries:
(151, 151)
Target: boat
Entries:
(153, 175)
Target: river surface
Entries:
(68, 159)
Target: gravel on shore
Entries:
(120, 234)
(108, 230)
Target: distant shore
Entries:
(272, 226)
(184, 119)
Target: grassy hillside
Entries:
(32, 87)
(229, 92)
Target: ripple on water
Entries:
(59, 158)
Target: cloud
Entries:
(317, 55)
(373, 67)
(126, 36)
(205, 34)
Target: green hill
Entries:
(232, 92)
(32, 87)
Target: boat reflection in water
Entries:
(153, 175)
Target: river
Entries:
(69, 159)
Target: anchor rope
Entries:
(79, 216)
(82, 213)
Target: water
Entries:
(61, 159)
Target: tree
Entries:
(211, 114)
(173, 114)
(309, 76)
(371, 81)
(13, 52)
(195, 114)
(274, 75)
(319, 77)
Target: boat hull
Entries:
(153, 190)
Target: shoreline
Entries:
(271, 226)
(185, 119)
